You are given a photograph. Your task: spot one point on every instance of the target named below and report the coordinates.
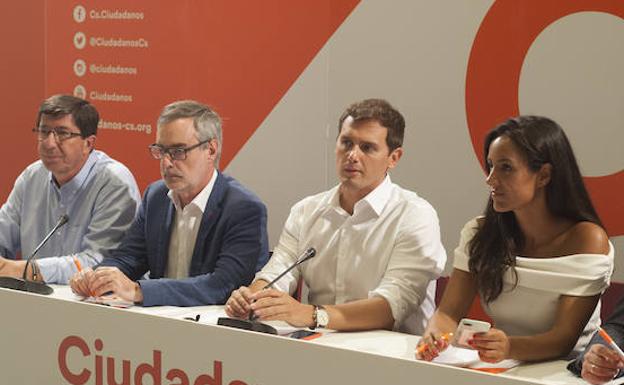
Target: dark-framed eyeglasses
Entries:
(175, 153)
(60, 133)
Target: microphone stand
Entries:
(24, 284)
(251, 323)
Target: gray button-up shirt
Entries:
(100, 201)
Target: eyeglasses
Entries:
(60, 133)
(175, 153)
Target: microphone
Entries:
(25, 284)
(251, 323)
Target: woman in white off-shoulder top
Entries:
(539, 257)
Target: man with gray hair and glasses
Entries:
(199, 232)
(98, 195)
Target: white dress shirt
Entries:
(185, 228)
(390, 247)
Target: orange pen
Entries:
(610, 341)
(77, 263)
(79, 267)
(445, 336)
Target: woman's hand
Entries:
(430, 346)
(493, 346)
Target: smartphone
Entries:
(466, 329)
(304, 334)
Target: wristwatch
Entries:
(320, 316)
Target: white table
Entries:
(58, 340)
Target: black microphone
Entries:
(251, 323)
(24, 284)
(309, 253)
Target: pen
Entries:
(608, 338)
(79, 267)
(445, 336)
(77, 263)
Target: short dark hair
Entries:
(499, 237)
(84, 114)
(382, 112)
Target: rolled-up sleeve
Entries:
(417, 259)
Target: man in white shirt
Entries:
(378, 245)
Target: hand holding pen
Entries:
(80, 281)
(431, 345)
(602, 363)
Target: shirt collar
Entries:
(200, 199)
(78, 180)
(376, 199)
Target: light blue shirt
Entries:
(100, 201)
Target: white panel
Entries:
(286, 158)
(573, 74)
(46, 350)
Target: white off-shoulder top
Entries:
(530, 307)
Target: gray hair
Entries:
(207, 122)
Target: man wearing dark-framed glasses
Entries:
(199, 232)
(98, 194)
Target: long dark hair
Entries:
(499, 238)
